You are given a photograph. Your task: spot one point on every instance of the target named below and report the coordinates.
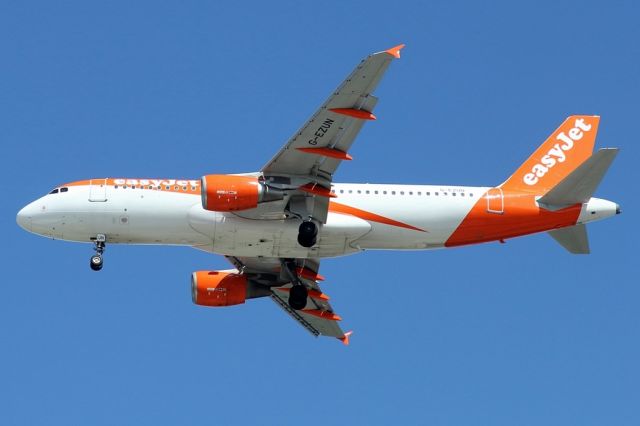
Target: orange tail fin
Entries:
(568, 147)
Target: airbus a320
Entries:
(277, 224)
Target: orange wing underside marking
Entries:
(372, 217)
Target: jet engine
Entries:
(224, 288)
(225, 193)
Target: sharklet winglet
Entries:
(345, 339)
(395, 50)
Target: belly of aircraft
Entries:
(237, 236)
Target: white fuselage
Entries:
(363, 216)
(147, 216)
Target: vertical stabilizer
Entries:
(568, 147)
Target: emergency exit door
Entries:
(495, 201)
(98, 190)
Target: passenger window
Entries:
(342, 191)
(470, 195)
(384, 192)
(375, 192)
(435, 193)
(419, 192)
(428, 193)
(359, 192)
(193, 188)
(393, 192)
(124, 186)
(410, 192)
(401, 192)
(367, 191)
(350, 191)
(462, 194)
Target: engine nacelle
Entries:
(218, 288)
(226, 193)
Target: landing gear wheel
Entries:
(96, 259)
(96, 262)
(307, 233)
(298, 297)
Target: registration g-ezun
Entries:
(277, 224)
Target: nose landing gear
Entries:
(96, 260)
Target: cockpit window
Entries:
(64, 189)
(55, 191)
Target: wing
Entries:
(322, 143)
(318, 317)
(303, 168)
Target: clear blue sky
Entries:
(514, 334)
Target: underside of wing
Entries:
(303, 168)
(317, 316)
(324, 140)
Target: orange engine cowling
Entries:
(226, 193)
(218, 288)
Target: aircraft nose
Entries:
(618, 209)
(24, 217)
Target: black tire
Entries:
(96, 262)
(307, 233)
(298, 297)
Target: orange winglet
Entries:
(315, 294)
(314, 188)
(345, 339)
(395, 50)
(327, 152)
(309, 274)
(322, 314)
(355, 113)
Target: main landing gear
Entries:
(298, 296)
(298, 293)
(307, 234)
(96, 259)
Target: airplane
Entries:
(275, 225)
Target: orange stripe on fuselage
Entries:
(372, 217)
(521, 216)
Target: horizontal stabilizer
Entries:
(579, 185)
(574, 238)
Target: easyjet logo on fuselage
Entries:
(557, 152)
(156, 182)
